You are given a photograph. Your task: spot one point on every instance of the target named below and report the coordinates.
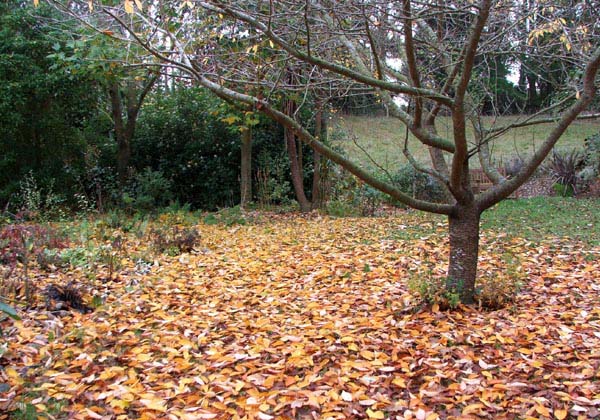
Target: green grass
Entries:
(383, 139)
(536, 219)
(541, 218)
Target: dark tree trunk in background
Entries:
(125, 128)
(532, 97)
(321, 133)
(464, 249)
(246, 168)
(123, 145)
(295, 163)
(296, 169)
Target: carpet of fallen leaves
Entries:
(311, 317)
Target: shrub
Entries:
(174, 242)
(273, 187)
(563, 167)
(591, 155)
(149, 190)
(495, 292)
(228, 217)
(513, 166)
(36, 203)
(21, 242)
(341, 208)
(351, 197)
(432, 290)
(418, 184)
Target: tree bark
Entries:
(464, 249)
(125, 129)
(123, 147)
(320, 129)
(297, 178)
(246, 168)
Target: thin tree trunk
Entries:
(125, 130)
(123, 148)
(246, 170)
(464, 249)
(297, 178)
(316, 181)
(532, 97)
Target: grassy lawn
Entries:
(383, 139)
(536, 219)
(541, 218)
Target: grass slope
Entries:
(383, 139)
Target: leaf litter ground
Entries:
(311, 317)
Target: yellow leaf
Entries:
(230, 120)
(129, 6)
(375, 414)
(138, 3)
(122, 404)
(543, 411)
(560, 413)
(435, 308)
(14, 375)
(36, 3)
(11, 372)
(143, 357)
(471, 408)
(154, 404)
(91, 5)
(399, 382)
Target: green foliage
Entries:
(433, 290)
(229, 217)
(20, 242)
(35, 203)
(174, 241)
(42, 108)
(178, 136)
(182, 134)
(564, 167)
(272, 183)
(341, 208)
(591, 156)
(9, 310)
(418, 184)
(149, 190)
(349, 196)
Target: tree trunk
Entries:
(123, 158)
(297, 178)
(464, 249)
(123, 147)
(316, 181)
(246, 171)
(532, 97)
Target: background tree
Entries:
(43, 109)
